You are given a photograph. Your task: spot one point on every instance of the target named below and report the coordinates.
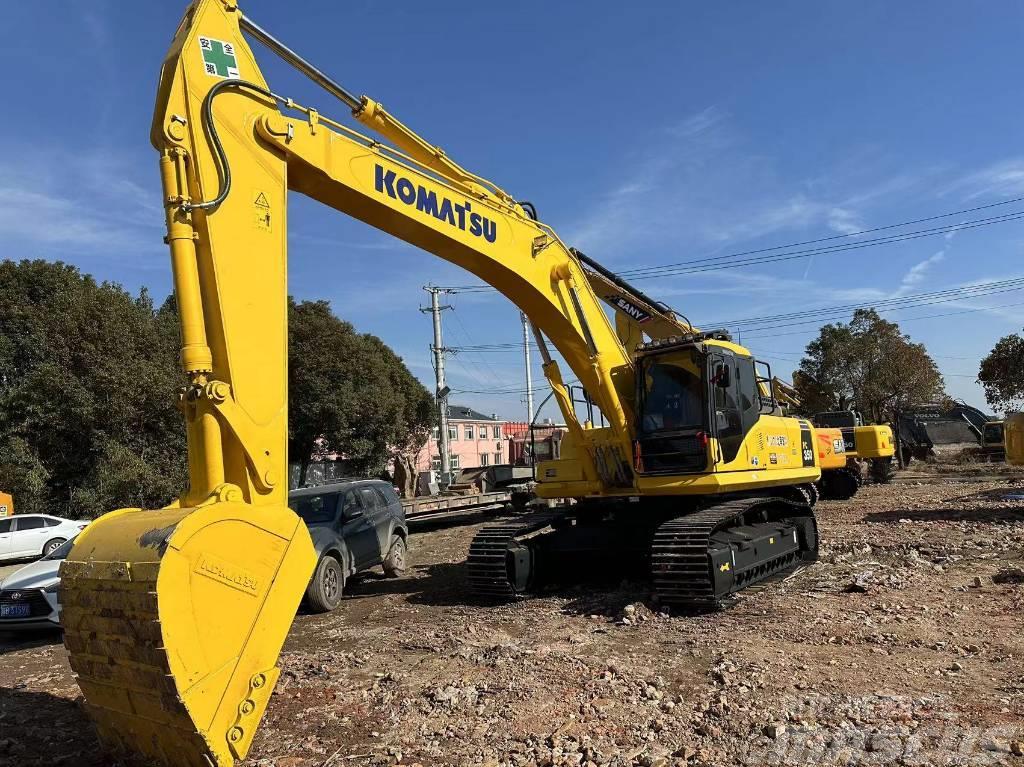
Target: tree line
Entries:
(870, 365)
(89, 373)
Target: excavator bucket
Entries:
(174, 620)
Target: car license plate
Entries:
(14, 611)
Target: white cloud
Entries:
(699, 188)
(697, 124)
(844, 221)
(1001, 179)
(916, 274)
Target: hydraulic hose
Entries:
(223, 168)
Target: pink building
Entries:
(474, 439)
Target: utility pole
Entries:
(529, 372)
(441, 393)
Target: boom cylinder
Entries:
(195, 351)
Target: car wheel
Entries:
(52, 545)
(324, 592)
(394, 562)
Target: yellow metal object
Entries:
(174, 620)
(6, 505)
(1013, 433)
(874, 441)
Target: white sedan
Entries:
(28, 597)
(30, 536)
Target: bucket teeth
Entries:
(114, 643)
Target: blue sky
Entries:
(646, 133)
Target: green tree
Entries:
(88, 376)
(349, 394)
(1002, 374)
(868, 365)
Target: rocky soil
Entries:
(903, 645)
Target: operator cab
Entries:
(992, 434)
(689, 390)
(846, 421)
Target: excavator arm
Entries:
(175, 617)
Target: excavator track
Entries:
(699, 559)
(840, 484)
(501, 565)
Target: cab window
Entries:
(737, 404)
(749, 398)
(29, 523)
(672, 397)
(5, 525)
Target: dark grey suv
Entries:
(355, 525)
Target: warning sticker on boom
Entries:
(262, 208)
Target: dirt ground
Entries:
(903, 645)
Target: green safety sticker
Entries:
(218, 57)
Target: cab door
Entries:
(736, 406)
(726, 414)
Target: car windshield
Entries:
(61, 552)
(315, 509)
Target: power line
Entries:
(907, 301)
(465, 333)
(815, 316)
(930, 231)
(711, 263)
(822, 317)
(671, 270)
(907, 319)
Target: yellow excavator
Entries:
(174, 618)
(639, 317)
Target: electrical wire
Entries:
(904, 319)
(815, 316)
(908, 301)
(727, 261)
